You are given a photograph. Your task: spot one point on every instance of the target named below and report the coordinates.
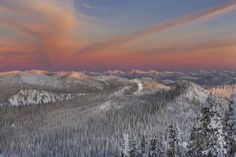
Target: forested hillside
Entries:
(73, 114)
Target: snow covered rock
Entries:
(34, 97)
(140, 86)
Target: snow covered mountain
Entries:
(97, 114)
(206, 78)
(72, 74)
(191, 91)
(114, 72)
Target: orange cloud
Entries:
(44, 38)
(202, 15)
(47, 23)
(207, 55)
(14, 49)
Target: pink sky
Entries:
(40, 34)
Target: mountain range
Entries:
(89, 114)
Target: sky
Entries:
(103, 35)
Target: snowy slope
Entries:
(63, 81)
(154, 85)
(92, 124)
(191, 91)
(188, 99)
(226, 90)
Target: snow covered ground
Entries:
(91, 113)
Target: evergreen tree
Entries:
(207, 138)
(133, 152)
(143, 147)
(229, 131)
(172, 141)
(161, 147)
(194, 143)
(153, 147)
(124, 151)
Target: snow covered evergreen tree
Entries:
(194, 143)
(207, 138)
(144, 147)
(229, 132)
(124, 150)
(172, 142)
(161, 147)
(133, 151)
(153, 147)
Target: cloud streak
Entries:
(185, 47)
(197, 16)
(16, 54)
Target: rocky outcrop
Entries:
(34, 97)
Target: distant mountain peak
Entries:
(136, 71)
(114, 72)
(73, 74)
(38, 71)
(10, 73)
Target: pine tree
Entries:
(124, 150)
(161, 147)
(143, 147)
(153, 147)
(172, 141)
(194, 143)
(133, 152)
(207, 138)
(229, 131)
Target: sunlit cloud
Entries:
(53, 34)
(48, 23)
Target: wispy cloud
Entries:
(53, 32)
(16, 54)
(89, 6)
(197, 16)
(193, 47)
